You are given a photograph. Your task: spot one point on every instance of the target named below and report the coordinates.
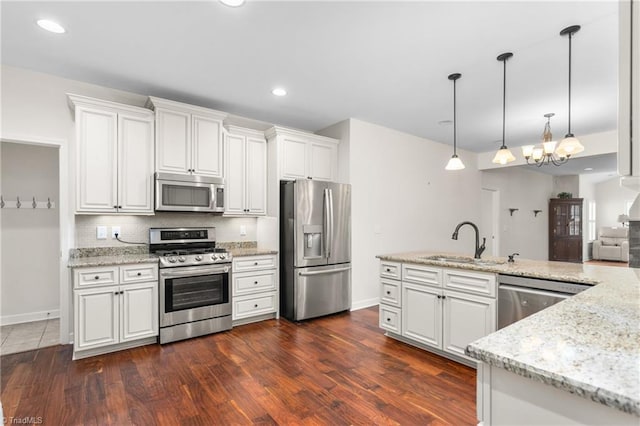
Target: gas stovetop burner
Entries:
(186, 247)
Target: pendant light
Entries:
(454, 162)
(547, 153)
(570, 145)
(504, 155)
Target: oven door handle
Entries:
(199, 271)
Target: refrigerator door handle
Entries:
(327, 218)
(330, 233)
(326, 271)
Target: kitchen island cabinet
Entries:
(438, 309)
(576, 362)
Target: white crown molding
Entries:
(153, 103)
(284, 131)
(85, 101)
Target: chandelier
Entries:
(547, 153)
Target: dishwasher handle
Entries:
(533, 291)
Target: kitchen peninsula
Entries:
(576, 362)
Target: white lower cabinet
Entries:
(254, 289)
(432, 315)
(113, 317)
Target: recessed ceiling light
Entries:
(232, 3)
(51, 26)
(588, 169)
(279, 91)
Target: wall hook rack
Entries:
(535, 213)
(512, 210)
(35, 204)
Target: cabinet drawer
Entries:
(390, 318)
(244, 307)
(390, 292)
(390, 270)
(422, 275)
(91, 277)
(254, 263)
(470, 282)
(138, 273)
(244, 284)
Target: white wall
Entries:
(526, 191)
(30, 237)
(568, 183)
(403, 199)
(610, 201)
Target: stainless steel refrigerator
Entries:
(315, 248)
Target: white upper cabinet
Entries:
(246, 177)
(188, 138)
(304, 155)
(114, 157)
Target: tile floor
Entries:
(29, 336)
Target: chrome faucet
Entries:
(479, 248)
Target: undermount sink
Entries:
(463, 259)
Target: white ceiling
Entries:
(382, 62)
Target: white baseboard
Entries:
(361, 304)
(29, 317)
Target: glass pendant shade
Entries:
(454, 163)
(527, 150)
(570, 145)
(503, 156)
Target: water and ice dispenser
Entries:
(312, 241)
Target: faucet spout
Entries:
(479, 248)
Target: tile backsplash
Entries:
(136, 228)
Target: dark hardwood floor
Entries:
(335, 370)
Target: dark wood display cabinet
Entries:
(565, 229)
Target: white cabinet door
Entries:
(207, 158)
(256, 176)
(466, 318)
(135, 164)
(322, 160)
(234, 190)
(139, 311)
(422, 314)
(173, 141)
(96, 317)
(294, 159)
(97, 156)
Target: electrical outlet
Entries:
(243, 230)
(101, 232)
(115, 230)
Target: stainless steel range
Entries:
(195, 280)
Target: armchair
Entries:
(612, 244)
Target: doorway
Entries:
(490, 222)
(30, 246)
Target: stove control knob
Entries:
(214, 257)
(198, 258)
(172, 259)
(181, 259)
(223, 255)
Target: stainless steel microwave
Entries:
(187, 193)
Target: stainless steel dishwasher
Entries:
(519, 297)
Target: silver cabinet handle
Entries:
(328, 271)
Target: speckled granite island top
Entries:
(588, 345)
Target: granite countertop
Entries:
(561, 271)
(108, 260)
(241, 252)
(588, 345)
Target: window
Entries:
(591, 221)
